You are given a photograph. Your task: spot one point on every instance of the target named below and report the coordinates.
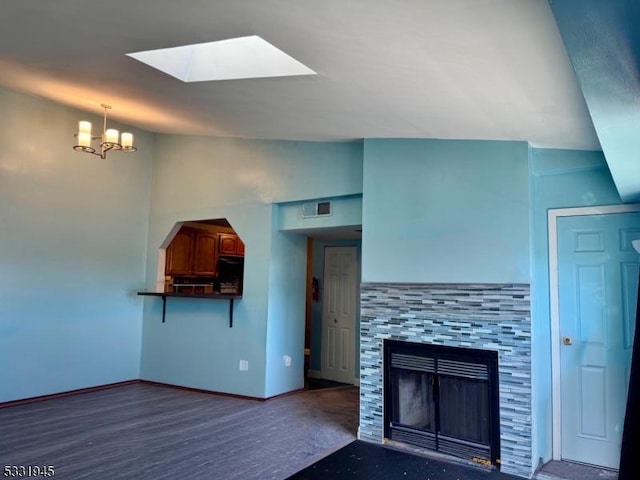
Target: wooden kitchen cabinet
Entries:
(205, 258)
(230, 244)
(192, 252)
(179, 254)
(240, 247)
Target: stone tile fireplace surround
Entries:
(483, 316)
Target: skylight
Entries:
(243, 57)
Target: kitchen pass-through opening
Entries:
(443, 399)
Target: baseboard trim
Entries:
(51, 396)
(318, 374)
(41, 398)
(221, 394)
(286, 394)
(202, 390)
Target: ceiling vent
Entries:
(316, 209)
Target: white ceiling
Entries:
(469, 69)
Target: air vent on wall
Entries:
(316, 209)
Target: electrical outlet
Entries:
(244, 365)
(287, 360)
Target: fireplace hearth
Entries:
(443, 399)
(493, 317)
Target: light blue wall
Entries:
(286, 316)
(445, 211)
(198, 178)
(73, 231)
(195, 346)
(559, 179)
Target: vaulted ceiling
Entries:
(603, 42)
(464, 69)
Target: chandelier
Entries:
(109, 140)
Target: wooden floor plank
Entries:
(147, 431)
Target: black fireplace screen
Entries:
(443, 399)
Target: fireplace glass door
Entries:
(461, 400)
(443, 399)
(414, 406)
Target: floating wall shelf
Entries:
(205, 296)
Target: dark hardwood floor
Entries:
(145, 431)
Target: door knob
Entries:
(567, 341)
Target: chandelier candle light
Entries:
(109, 138)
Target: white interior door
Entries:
(597, 287)
(339, 314)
